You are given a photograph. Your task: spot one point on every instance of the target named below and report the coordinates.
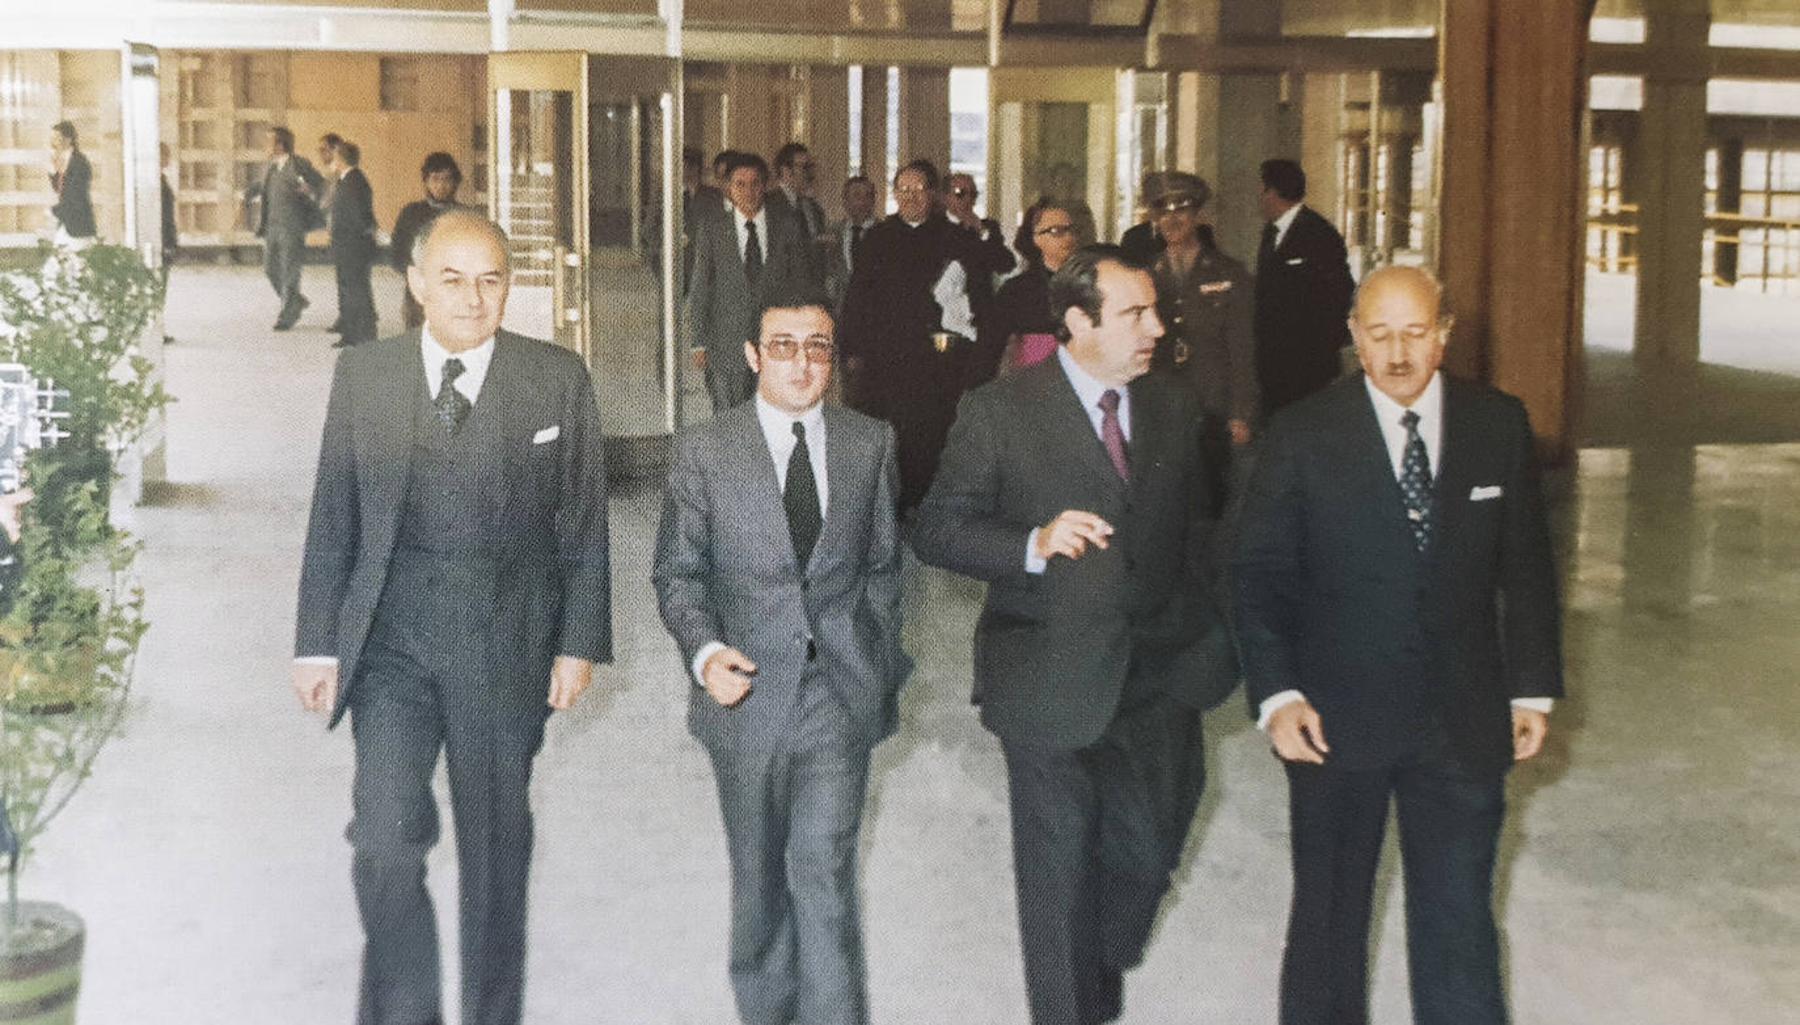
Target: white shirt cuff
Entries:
(1535, 704)
(315, 660)
(698, 666)
(1034, 563)
(1273, 702)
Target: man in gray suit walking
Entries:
(454, 590)
(739, 261)
(290, 191)
(777, 572)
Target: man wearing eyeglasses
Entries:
(777, 573)
(910, 335)
(960, 194)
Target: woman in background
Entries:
(1050, 231)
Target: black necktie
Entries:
(801, 499)
(452, 406)
(753, 261)
(1415, 481)
(855, 240)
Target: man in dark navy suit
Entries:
(1398, 616)
(1303, 288)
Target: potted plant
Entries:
(71, 615)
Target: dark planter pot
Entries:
(40, 968)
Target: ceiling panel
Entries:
(1078, 14)
(831, 16)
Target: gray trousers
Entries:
(791, 821)
(422, 689)
(283, 254)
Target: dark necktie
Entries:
(801, 499)
(1265, 254)
(855, 240)
(753, 256)
(1112, 435)
(1415, 481)
(452, 406)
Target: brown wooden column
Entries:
(1513, 210)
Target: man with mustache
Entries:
(1397, 612)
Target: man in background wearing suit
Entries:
(290, 192)
(72, 178)
(739, 261)
(1397, 608)
(777, 572)
(846, 239)
(795, 174)
(699, 202)
(441, 177)
(1079, 490)
(353, 244)
(1303, 288)
(454, 591)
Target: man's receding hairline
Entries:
(1415, 279)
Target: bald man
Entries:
(1398, 616)
(454, 591)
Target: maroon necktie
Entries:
(1112, 435)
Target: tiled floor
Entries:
(1652, 862)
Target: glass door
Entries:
(634, 225)
(1054, 133)
(538, 190)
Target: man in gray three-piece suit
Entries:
(454, 590)
(740, 259)
(777, 572)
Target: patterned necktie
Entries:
(452, 406)
(1112, 435)
(801, 499)
(1415, 481)
(753, 257)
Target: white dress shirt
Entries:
(762, 232)
(1286, 221)
(1388, 413)
(475, 367)
(778, 433)
(1088, 389)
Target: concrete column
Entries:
(1258, 117)
(1513, 209)
(828, 133)
(1672, 197)
(1321, 132)
(925, 116)
(874, 131)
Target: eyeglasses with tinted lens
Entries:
(1056, 230)
(962, 193)
(909, 190)
(782, 348)
(1173, 205)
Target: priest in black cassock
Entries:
(908, 325)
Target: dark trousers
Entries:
(422, 688)
(791, 821)
(356, 299)
(283, 255)
(920, 401)
(1449, 828)
(1097, 834)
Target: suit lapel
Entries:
(1376, 467)
(1060, 414)
(840, 447)
(1149, 432)
(1450, 479)
(384, 430)
(762, 493)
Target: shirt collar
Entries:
(761, 214)
(1087, 387)
(475, 361)
(778, 423)
(1429, 405)
(1286, 220)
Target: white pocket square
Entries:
(1296, 261)
(1485, 492)
(547, 435)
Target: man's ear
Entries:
(1076, 321)
(415, 282)
(752, 357)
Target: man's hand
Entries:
(1240, 432)
(317, 686)
(1529, 729)
(12, 512)
(569, 676)
(1298, 733)
(1071, 533)
(699, 358)
(726, 676)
